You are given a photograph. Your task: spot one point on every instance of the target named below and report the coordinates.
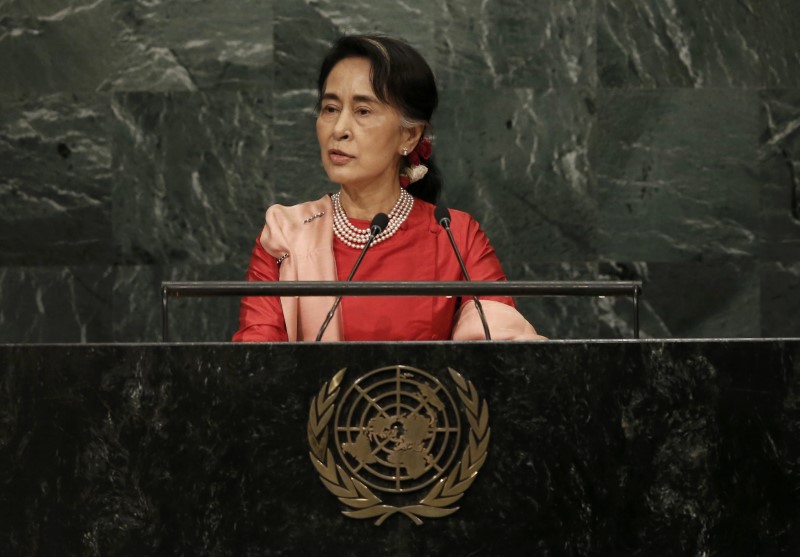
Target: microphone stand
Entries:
(377, 225)
(442, 215)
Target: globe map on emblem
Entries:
(397, 429)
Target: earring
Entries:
(405, 151)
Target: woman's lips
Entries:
(339, 157)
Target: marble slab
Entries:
(683, 43)
(698, 300)
(779, 171)
(567, 317)
(518, 161)
(191, 169)
(56, 304)
(55, 180)
(56, 46)
(676, 174)
(185, 45)
(138, 309)
(513, 43)
(604, 448)
(780, 310)
(298, 175)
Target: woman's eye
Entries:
(362, 111)
(329, 109)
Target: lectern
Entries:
(585, 448)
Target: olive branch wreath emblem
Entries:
(361, 501)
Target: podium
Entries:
(597, 448)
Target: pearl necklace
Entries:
(356, 237)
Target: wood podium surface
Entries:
(597, 448)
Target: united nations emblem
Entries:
(397, 433)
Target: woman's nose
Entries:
(342, 127)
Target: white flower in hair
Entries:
(415, 173)
(415, 170)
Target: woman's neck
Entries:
(364, 204)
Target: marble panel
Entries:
(55, 304)
(780, 299)
(558, 318)
(305, 30)
(191, 171)
(55, 182)
(597, 449)
(676, 174)
(137, 304)
(616, 315)
(691, 300)
(302, 35)
(779, 166)
(190, 45)
(298, 173)
(411, 20)
(685, 43)
(50, 46)
(517, 160)
(514, 43)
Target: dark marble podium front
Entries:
(598, 448)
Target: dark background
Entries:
(656, 140)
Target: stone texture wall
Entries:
(659, 140)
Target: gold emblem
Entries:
(397, 432)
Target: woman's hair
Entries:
(402, 79)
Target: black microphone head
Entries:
(379, 223)
(442, 215)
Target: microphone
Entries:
(442, 216)
(378, 224)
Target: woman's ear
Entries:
(412, 136)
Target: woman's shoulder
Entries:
(458, 219)
(298, 227)
(291, 215)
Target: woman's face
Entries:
(360, 138)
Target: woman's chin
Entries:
(343, 179)
(337, 175)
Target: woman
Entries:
(376, 99)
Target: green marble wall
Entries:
(659, 140)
